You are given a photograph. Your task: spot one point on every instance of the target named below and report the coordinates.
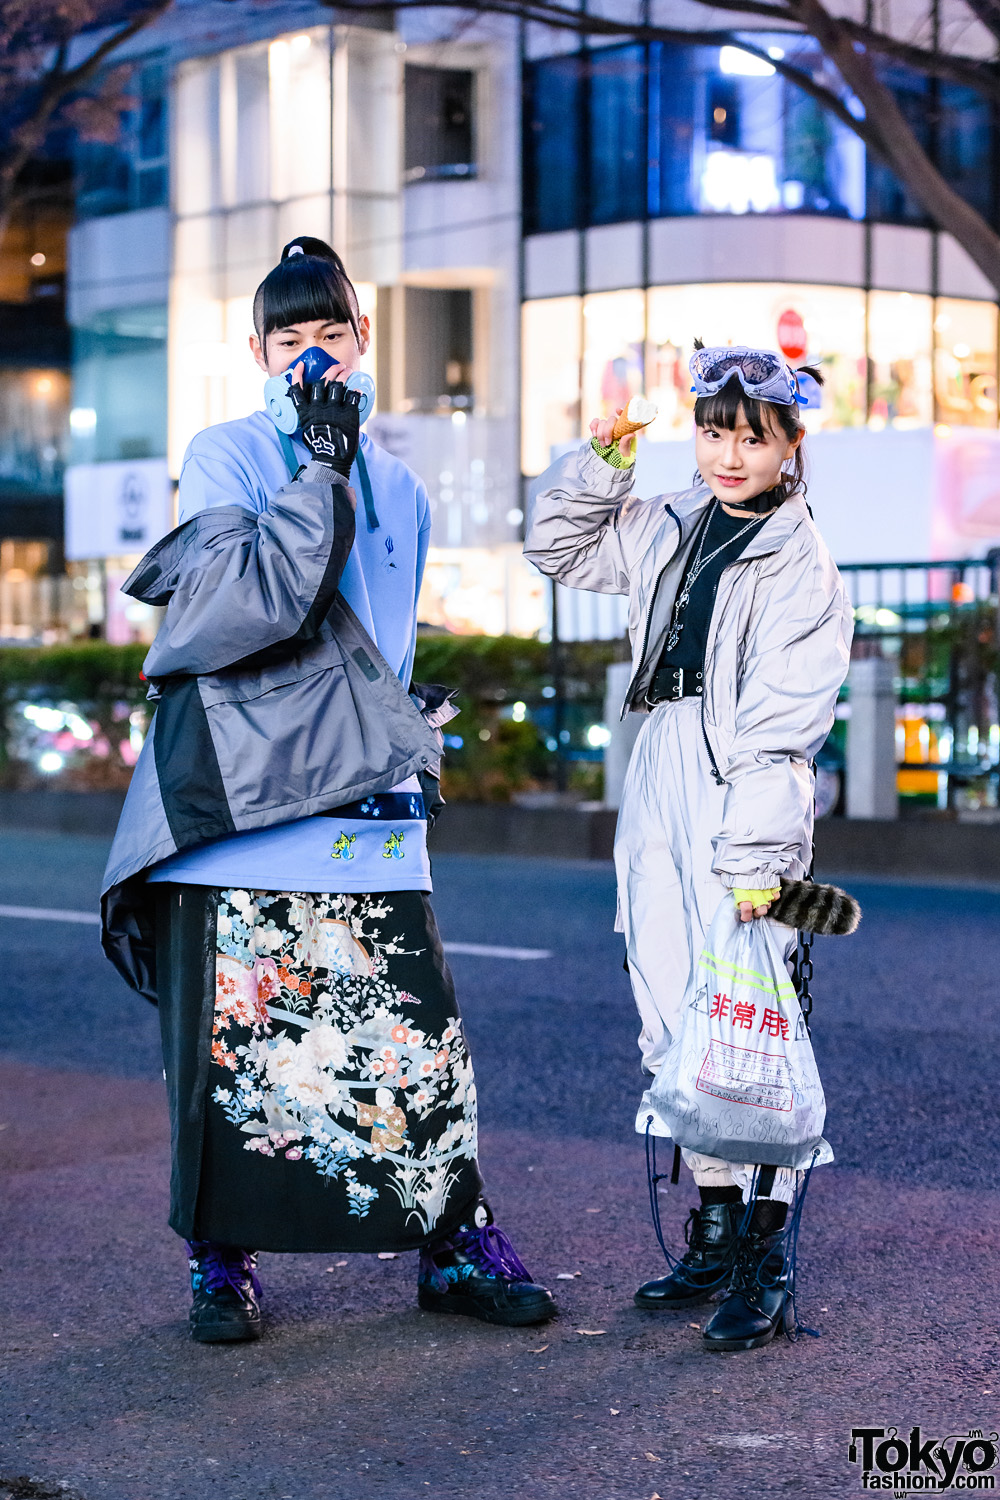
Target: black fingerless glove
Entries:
(329, 420)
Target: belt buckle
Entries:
(676, 692)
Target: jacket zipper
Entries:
(649, 615)
(720, 780)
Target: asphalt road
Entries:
(356, 1395)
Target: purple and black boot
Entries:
(476, 1272)
(224, 1282)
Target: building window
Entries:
(439, 122)
(914, 360)
(965, 147)
(551, 331)
(438, 349)
(119, 377)
(671, 129)
(729, 313)
(618, 135)
(613, 329)
(632, 340)
(899, 360)
(555, 178)
(33, 409)
(965, 363)
(132, 173)
(888, 200)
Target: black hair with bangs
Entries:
(765, 419)
(309, 283)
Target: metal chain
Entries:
(695, 571)
(803, 976)
(803, 958)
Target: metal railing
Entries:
(940, 625)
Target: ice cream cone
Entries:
(638, 414)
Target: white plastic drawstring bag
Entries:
(740, 1081)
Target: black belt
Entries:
(671, 683)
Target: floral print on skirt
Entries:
(341, 1111)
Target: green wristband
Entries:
(613, 455)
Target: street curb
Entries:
(929, 849)
(61, 812)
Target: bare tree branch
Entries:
(988, 12)
(880, 123)
(979, 73)
(580, 22)
(907, 157)
(52, 89)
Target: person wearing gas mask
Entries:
(741, 632)
(269, 886)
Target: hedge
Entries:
(491, 754)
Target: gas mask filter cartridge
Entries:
(315, 363)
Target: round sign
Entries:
(792, 335)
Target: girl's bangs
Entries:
(303, 289)
(724, 409)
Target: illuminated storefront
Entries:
(889, 359)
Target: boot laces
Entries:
(491, 1251)
(224, 1265)
(751, 1254)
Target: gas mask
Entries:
(314, 362)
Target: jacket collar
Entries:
(771, 537)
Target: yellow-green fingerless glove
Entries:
(756, 898)
(612, 455)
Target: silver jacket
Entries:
(272, 701)
(777, 652)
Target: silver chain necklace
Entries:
(696, 569)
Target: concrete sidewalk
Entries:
(356, 1395)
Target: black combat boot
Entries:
(476, 1272)
(710, 1234)
(224, 1282)
(754, 1309)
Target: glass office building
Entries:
(536, 238)
(674, 192)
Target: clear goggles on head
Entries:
(762, 373)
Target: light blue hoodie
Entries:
(243, 463)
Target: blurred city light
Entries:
(52, 720)
(736, 182)
(735, 61)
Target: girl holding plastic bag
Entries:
(741, 632)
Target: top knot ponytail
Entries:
(309, 284)
(306, 244)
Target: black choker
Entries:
(769, 500)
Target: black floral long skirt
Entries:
(322, 1096)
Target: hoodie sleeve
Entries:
(798, 652)
(235, 584)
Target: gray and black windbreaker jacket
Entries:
(272, 701)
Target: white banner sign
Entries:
(114, 509)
